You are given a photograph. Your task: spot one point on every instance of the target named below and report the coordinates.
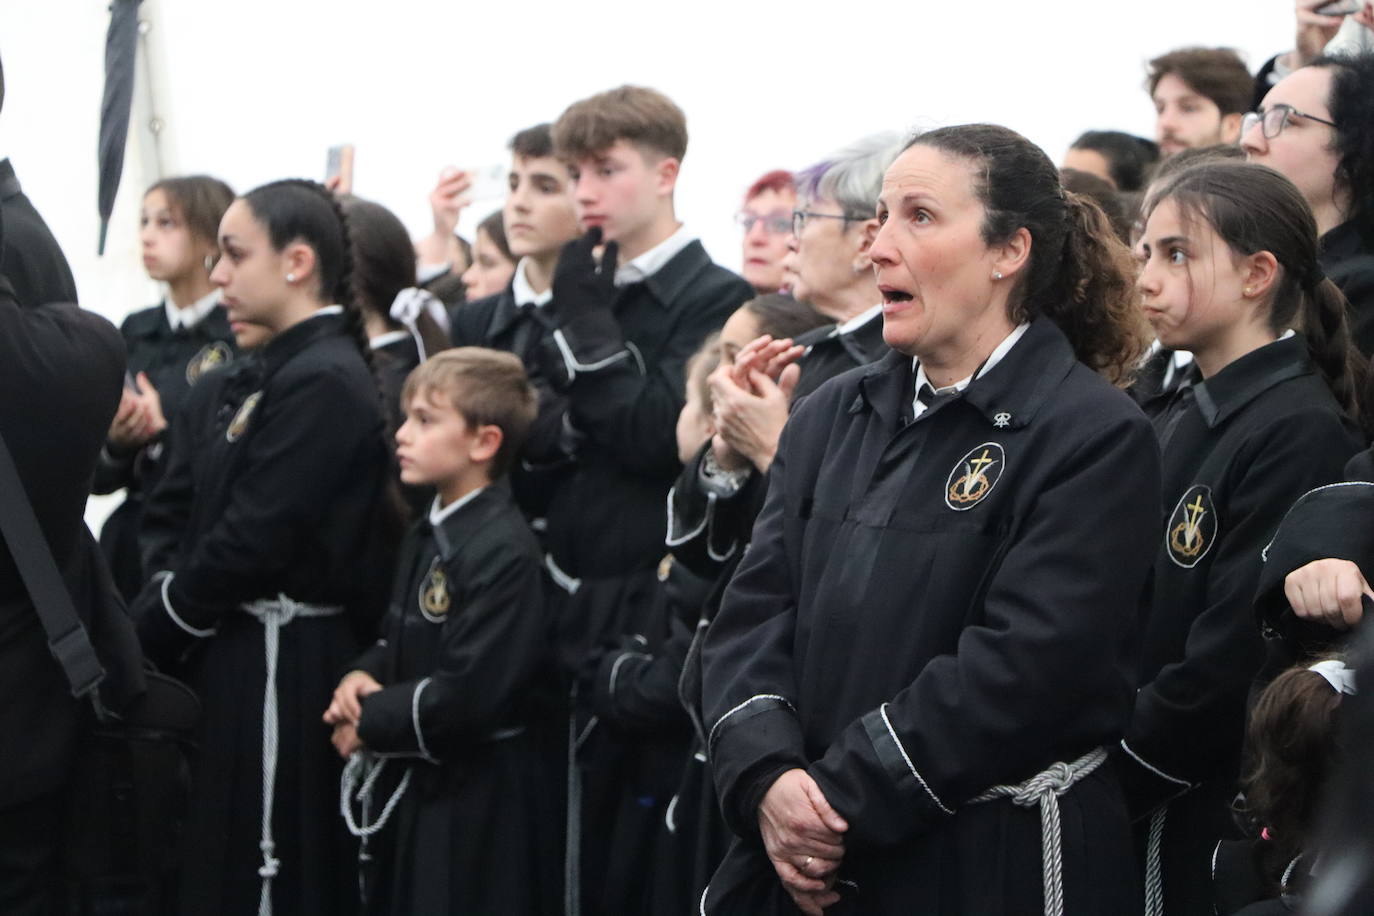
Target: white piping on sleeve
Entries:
(882, 711)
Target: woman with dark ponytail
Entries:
(914, 674)
(269, 529)
(1268, 411)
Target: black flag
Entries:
(121, 53)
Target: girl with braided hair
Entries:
(272, 530)
(1268, 411)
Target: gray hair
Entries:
(852, 176)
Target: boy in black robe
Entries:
(449, 688)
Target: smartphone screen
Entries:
(340, 164)
(489, 183)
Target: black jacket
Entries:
(275, 488)
(829, 353)
(1261, 432)
(61, 372)
(30, 257)
(928, 609)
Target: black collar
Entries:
(670, 281)
(279, 350)
(1009, 395)
(467, 520)
(9, 182)
(1245, 379)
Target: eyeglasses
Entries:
(773, 223)
(1275, 119)
(799, 218)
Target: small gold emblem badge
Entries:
(1192, 527)
(974, 476)
(434, 597)
(211, 355)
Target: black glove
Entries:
(583, 294)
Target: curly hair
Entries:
(1081, 276)
(1352, 108)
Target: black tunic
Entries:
(1250, 440)
(829, 352)
(174, 361)
(465, 641)
(929, 609)
(29, 256)
(277, 490)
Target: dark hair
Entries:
(699, 366)
(782, 316)
(487, 388)
(1352, 108)
(200, 202)
(1220, 152)
(1253, 208)
(1217, 74)
(646, 118)
(494, 226)
(1080, 275)
(1292, 739)
(1100, 192)
(1129, 158)
(778, 180)
(533, 142)
(384, 264)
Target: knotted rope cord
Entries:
(1043, 790)
(274, 614)
(1154, 884)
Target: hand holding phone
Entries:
(338, 169)
(448, 199)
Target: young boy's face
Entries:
(434, 445)
(622, 189)
(540, 216)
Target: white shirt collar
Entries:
(437, 514)
(387, 339)
(327, 310)
(858, 321)
(193, 314)
(523, 292)
(993, 359)
(652, 261)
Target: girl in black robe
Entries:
(274, 537)
(171, 346)
(1266, 414)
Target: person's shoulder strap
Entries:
(67, 637)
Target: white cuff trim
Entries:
(569, 584)
(574, 367)
(882, 711)
(1154, 769)
(677, 540)
(615, 669)
(176, 618)
(415, 720)
(711, 738)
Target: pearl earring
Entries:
(290, 278)
(1247, 291)
(996, 275)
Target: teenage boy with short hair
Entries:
(625, 324)
(1200, 95)
(450, 688)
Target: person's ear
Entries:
(1013, 255)
(665, 173)
(299, 265)
(486, 444)
(1260, 273)
(868, 231)
(1230, 127)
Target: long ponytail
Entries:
(1325, 325)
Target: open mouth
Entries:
(896, 295)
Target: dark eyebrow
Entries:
(1173, 240)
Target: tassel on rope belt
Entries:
(1043, 790)
(274, 614)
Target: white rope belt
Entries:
(1154, 883)
(274, 614)
(1043, 790)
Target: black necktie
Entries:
(929, 397)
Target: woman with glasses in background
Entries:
(1316, 126)
(766, 219)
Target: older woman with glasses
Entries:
(1316, 126)
(766, 219)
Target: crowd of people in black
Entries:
(995, 544)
